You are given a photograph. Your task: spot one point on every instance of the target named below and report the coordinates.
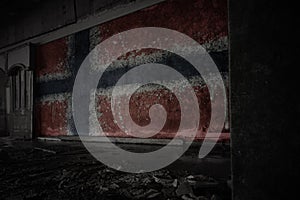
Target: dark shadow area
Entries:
(265, 107)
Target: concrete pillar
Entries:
(264, 104)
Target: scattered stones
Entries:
(72, 173)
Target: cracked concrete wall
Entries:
(58, 61)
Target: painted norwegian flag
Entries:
(58, 61)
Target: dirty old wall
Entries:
(57, 63)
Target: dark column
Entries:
(264, 50)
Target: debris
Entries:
(103, 189)
(63, 171)
(202, 198)
(200, 181)
(175, 183)
(49, 139)
(163, 181)
(114, 186)
(184, 188)
(138, 193)
(190, 177)
(215, 197)
(45, 150)
(168, 192)
(153, 195)
(186, 197)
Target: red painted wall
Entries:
(203, 20)
(52, 110)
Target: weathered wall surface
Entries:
(58, 61)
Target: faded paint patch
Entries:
(140, 104)
(95, 37)
(54, 114)
(139, 57)
(152, 94)
(217, 45)
(52, 119)
(52, 60)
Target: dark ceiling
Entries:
(11, 9)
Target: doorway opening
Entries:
(19, 108)
(3, 120)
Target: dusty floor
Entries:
(65, 170)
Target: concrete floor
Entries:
(65, 170)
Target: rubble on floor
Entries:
(69, 172)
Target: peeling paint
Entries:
(220, 44)
(52, 60)
(95, 37)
